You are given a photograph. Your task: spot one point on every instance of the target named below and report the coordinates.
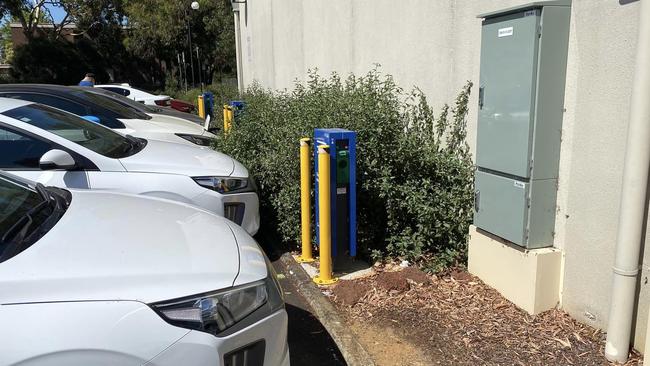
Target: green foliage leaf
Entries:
(415, 173)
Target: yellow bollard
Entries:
(324, 218)
(201, 107)
(228, 116)
(305, 201)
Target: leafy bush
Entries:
(415, 174)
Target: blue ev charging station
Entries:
(343, 193)
(208, 99)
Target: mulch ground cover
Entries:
(459, 319)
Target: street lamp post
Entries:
(198, 63)
(194, 6)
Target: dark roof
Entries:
(77, 94)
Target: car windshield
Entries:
(92, 136)
(110, 104)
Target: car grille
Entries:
(234, 212)
(251, 355)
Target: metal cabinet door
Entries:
(507, 92)
(501, 206)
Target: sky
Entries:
(57, 12)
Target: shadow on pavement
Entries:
(309, 342)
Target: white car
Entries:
(50, 146)
(90, 104)
(100, 278)
(149, 109)
(138, 95)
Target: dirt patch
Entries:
(461, 276)
(459, 320)
(400, 281)
(392, 281)
(414, 274)
(388, 348)
(350, 292)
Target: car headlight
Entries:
(224, 312)
(197, 139)
(225, 185)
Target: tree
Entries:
(32, 13)
(159, 29)
(7, 43)
(134, 40)
(44, 60)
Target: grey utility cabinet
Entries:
(521, 101)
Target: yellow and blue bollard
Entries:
(325, 276)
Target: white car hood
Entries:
(173, 158)
(110, 246)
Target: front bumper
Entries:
(241, 208)
(199, 348)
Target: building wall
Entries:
(600, 74)
(436, 46)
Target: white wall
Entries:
(599, 80)
(436, 46)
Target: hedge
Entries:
(415, 173)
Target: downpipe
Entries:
(633, 201)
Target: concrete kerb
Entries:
(351, 349)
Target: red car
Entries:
(182, 106)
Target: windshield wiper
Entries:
(19, 233)
(135, 144)
(19, 230)
(45, 195)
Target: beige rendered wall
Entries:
(435, 44)
(600, 70)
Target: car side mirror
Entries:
(93, 119)
(206, 124)
(56, 159)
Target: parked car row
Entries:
(141, 96)
(94, 104)
(119, 248)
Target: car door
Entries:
(20, 152)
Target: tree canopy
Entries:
(161, 29)
(139, 41)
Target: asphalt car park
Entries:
(309, 341)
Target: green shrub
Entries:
(415, 174)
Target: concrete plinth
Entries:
(528, 278)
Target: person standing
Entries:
(89, 80)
